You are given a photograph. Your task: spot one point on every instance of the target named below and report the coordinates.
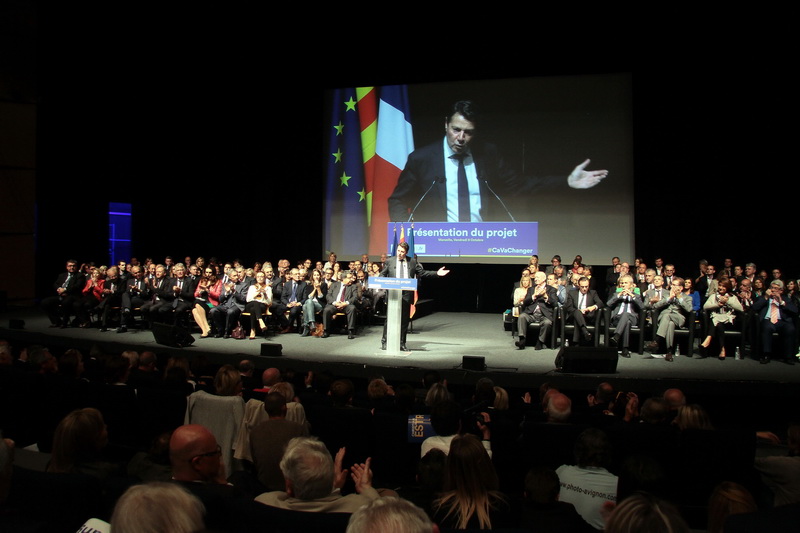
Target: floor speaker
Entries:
(471, 362)
(271, 349)
(169, 335)
(587, 360)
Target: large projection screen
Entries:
(543, 127)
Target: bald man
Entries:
(197, 466)
(196, 456)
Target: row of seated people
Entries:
(233, 427)
(725, 305)
(219, 298)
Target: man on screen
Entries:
(401, 266)
(459, 179)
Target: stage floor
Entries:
(437, 341)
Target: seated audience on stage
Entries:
(538, 307)
(111, 296)
(206, 297)
(315, 301)
(688, 288)
(721, 306)
(776, 314)
(67, 287)
(90, 298)
(341, 298)
(673, 312)
(259, 299)
(232, 299)
(293, 295)
(625, 304)
(582, 306)
(158, 286)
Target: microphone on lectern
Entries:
(436, 180)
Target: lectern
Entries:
(394, 288)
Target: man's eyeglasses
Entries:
(215, 453)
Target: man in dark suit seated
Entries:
(341, 298)
(179, 294)
(776, 314)
(67, 288)
(231, 304)
(537, 307)
(292, 299)
(112, 295)
(157, 290)
(625, 304)
(582, 306)
(135, 296)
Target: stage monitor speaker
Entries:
(587, 360)
(472, 362)
(169, 335)
(271, 349)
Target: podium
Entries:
(394, 288)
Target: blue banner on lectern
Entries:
(473, 239)
(403, 284)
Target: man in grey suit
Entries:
(673, 312)
(401, 266)
(341, 298)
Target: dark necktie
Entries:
(463, 191)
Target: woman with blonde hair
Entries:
(728, 498)
(259, 298)
(470, 497)
(692, 416)
(228, 381)
(644, 513)
(520, 293)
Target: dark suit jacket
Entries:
(787, 311)
(144, 294)
(547, 305)
(161, 289)
(415, 270)
(75, 285)
(571, 305)
(187, 292)
(116, 286)
(350, 293)
(426, 164)
(286, 292)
